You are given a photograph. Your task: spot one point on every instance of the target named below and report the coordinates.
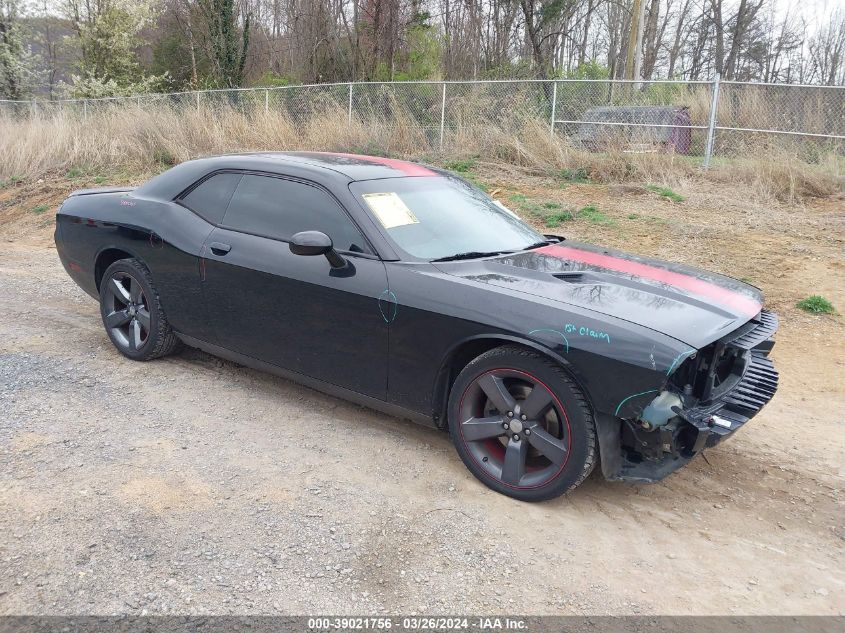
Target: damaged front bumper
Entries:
(650, 455)
(717, 421)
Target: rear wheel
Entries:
(521, 424)
(132, 314)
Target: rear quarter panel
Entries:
(167, 237)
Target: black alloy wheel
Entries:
(132, 313)
(127, 312)
(514, 428)
(521, 425)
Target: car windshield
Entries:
(443, 217)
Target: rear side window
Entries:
(210, 198)
(278, 208)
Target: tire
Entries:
(132, 313)
(535, 438)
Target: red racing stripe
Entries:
(407, 168)
(745, 305)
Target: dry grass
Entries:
(137, 141)
(780, 175)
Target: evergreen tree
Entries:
(229, 43)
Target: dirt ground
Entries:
(193, 485)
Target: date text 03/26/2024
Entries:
(416, 623)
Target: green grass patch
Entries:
(164, 157)
(574, 176)
(554, 214)
(817, 305)
(665, 192)
(371, 149)
(41, 208)
(554, 220)
(10, 182)
(633, 216)
(474, 180)
(539, 209)
(461, 166)
(592, 214)
(81, 172)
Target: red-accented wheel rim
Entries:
(514, 428)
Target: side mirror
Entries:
(312, 243)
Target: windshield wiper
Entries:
(469, 255)
(538, 245)
(479, 254)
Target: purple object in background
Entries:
(635, 129)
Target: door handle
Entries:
(219, 248)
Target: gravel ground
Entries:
(193, 485)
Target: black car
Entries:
(407, 289)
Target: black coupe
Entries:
(409, 290)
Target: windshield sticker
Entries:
(390, 210)
(499, 204)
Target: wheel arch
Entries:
(464, 351)
(105, 257)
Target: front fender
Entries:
(468, 348)
(617, 364)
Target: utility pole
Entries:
(634, 59)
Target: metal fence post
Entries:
(554, 110)
(442, 115)
(198, 99)
(85, 109)
(711, 125)
(266, 102)
(349, 115)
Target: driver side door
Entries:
(289, 310)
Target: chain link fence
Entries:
(702, 120)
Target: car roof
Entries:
(354, 166)
(324, 167)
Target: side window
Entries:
(211, 197)
(279, 208)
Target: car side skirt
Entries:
(312, 383)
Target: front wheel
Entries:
(132, 314)
(521, 424)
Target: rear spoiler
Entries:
(88, 192)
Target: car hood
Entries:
(690, 305)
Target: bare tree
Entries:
(827, 51)
(545, 21)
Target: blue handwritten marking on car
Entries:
(583, 330)
(560, 334)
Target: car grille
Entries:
(735, 365)
(756, 388)
(756, 331)
(741, 403)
